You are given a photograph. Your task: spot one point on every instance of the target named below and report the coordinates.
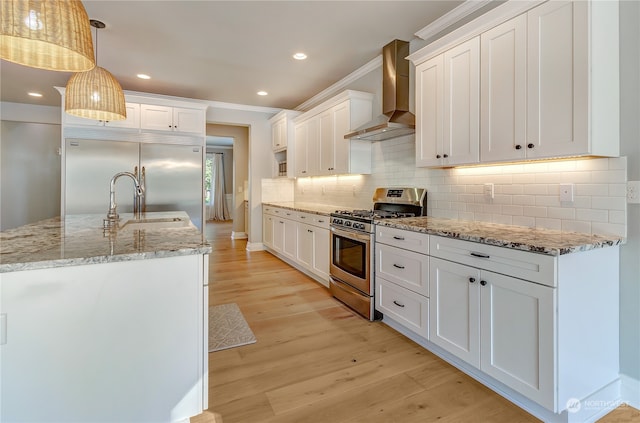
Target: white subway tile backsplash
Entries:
(534, 211)
(546, 223)
(525, 194)
(561, 213)
(576, 226)
(610, 203)
(592, 215)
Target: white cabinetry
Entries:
(401, 278)
(320, 134)
(504, 97)
(299, 238)
(510, 314)
(131, 122)
(282, 143)
(172, 119)
(306, 151)
(549, 88)
(448, 107)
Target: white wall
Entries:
(257, 119)
(630, 146)
(29, 164)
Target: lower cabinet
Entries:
(499, 324)
(301, 238)
(541, 329)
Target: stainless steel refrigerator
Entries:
(173, 175)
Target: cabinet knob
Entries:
(530, 145)
(483, 283)
(438, 156)
(472, 280)
(445, 155)
(518, 146)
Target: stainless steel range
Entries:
(352, 238)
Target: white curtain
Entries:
(217, 207)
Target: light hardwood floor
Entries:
(315, 361)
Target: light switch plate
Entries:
(566, 193)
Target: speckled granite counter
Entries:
(316, 208)
(79, 239)
(517, 237)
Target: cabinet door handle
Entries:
(518, 146)
(399, 238)
(531, 145)
(310, 231)
(479, 255)
(398, 304)
(320, 221)
(472, 280)
(438, 156)
(398, 266)
(445, 155)
(303, 217)
(483, 283)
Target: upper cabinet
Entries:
(150, 118)
(549, 86)
(172, 119)
(282, 142)
(448, 107)
(320, 145)
(131, 122)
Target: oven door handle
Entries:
(351, 234)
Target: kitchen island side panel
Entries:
(115, 341)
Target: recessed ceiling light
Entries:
(262, 93)
(143, 76)
(34, 94)
(299, 56)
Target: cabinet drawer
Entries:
(320, 221)
(405, 268)
(519, 264)
(268, 210)
(414, 241)
(404, 306)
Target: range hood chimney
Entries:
(396, 119)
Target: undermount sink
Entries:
(156, 223)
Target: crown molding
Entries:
(445, 21)
(341, 85)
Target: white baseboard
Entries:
(239, 235)
(630, 391)
(255, 246)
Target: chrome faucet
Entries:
(112, 214)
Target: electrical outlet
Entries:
(488, 191)
(633, 192)
(566, 193)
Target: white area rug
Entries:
(227, 328)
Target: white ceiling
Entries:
(228, 50)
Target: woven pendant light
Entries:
(46, 34)
(95, 94)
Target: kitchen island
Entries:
(103, 325)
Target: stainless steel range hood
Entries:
(396, 120)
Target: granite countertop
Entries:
(542, 241)
(80, 239)
(315, 208)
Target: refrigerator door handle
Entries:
(143, 184)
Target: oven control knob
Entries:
(338, 221)
(358, 226)
(347, 224)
